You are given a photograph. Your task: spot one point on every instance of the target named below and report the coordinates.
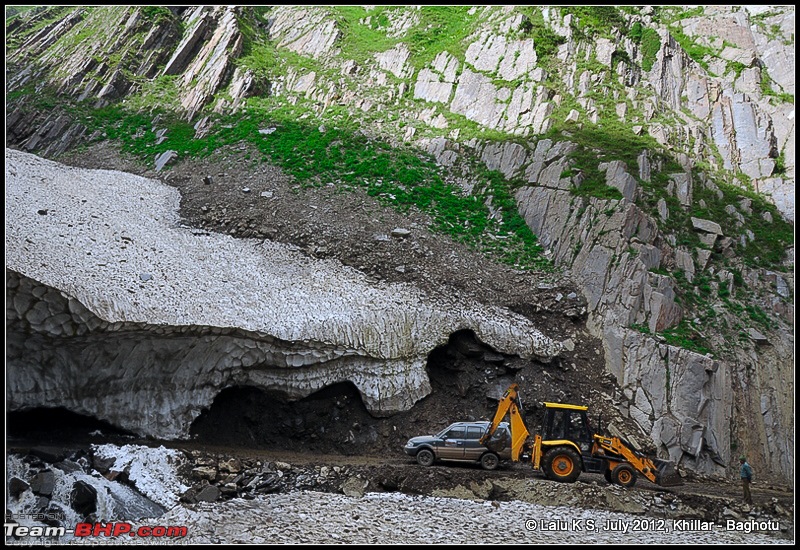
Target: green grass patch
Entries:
(597, 144)
(589, 21)
(768, 250)
(693, 49)
(758, 316)
(618, 56)
(737, 67)
(160, 93)
(651, 43)
(780, 165)
(545, 40)
(772, 239)
(402, 178)
(361, 40)
(702, 283)
(469, 129)
(441, 28)
(694, 12)
(685, 336)
(155, 14)
(93, 28)
(594, 185)
(766, 89)
(733, 306)
(521, 246)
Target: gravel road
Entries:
(395, 518)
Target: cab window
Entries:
(577, 431)
(567, 424)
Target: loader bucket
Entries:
(666, 475)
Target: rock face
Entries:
(97, 259)
(202, 73)
(435, 84)
(749, 129)
(304, 31)
(684, 400)
(146, 41)
(500, 81)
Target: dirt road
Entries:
(246, 480)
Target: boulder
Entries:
(83, 498)
(43, 483)
(354, 487)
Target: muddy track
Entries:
(273, 485)
(395, 471)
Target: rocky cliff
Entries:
(651, 151)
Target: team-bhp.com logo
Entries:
(114, 529)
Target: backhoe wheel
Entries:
(624, 475)
(425, 457)
(489, 461)
(562, 464)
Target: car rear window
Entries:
(474, 432)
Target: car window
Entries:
(474, 432)
(443, 433)
(455, 433)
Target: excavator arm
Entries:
(509, 405)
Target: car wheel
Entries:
(490, 461)
(425, 457)
(624, 475)
(562, 464)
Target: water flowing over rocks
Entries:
(154, 472)
(77, 492)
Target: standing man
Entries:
(746, 473)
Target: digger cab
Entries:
(563, 449)
(567, 445)
(567, 422)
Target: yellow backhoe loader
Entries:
(567, 446)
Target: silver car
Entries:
(460, 441)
